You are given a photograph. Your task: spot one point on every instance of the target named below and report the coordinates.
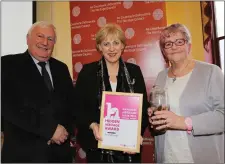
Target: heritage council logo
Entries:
(157, 14)
(127, 4)
(129, 33)
(77, 39)
(101, 21)
(77, 67)
(132, 60)
(76, 11)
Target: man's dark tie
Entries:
(45, 76)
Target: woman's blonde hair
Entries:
(110, 29)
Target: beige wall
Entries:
(58, 13)
(188, 13)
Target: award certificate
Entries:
(120, 121)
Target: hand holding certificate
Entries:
(120, 122)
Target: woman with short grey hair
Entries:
(195, 123)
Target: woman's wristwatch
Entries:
(188, 122)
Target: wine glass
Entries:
(159, 99)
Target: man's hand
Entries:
(95, 128)
(60, 135)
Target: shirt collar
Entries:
(36, 61)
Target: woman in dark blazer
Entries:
(110, 73)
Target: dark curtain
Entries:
(210, 42)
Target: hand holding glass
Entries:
(159, 99)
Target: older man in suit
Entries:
(36, 101)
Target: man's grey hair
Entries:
(42, 24)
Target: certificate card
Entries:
(120, 121)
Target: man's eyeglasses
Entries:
(178, 42)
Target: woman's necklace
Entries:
(175, 76)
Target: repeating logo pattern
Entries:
(101, 21)
(127, 4)
(76, 11)
(77, 39)
(157, 14)
(129, 33)
(78, 66)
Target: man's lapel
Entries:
(32, 74)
